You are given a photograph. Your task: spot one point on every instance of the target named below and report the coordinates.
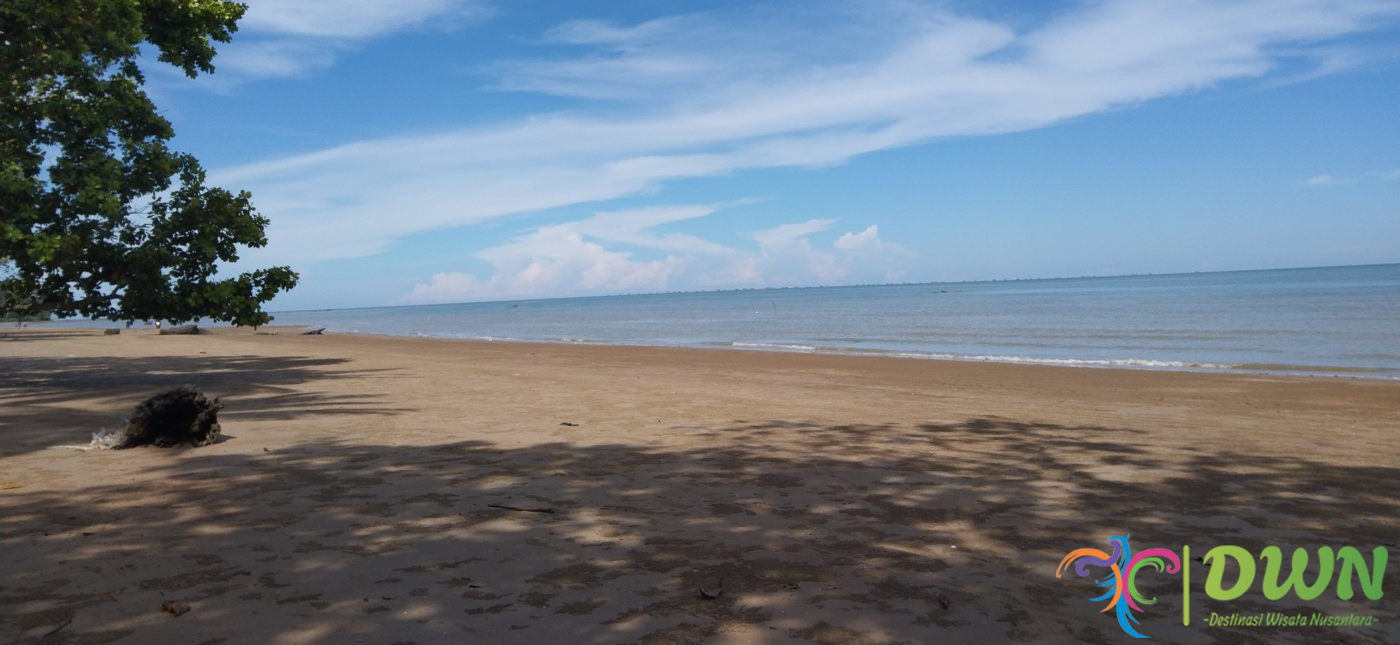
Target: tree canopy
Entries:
(99, 217)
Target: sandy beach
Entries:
(394, 490)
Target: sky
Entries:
(430, 151)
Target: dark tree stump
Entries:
(181, 415)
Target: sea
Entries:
(1335, 321)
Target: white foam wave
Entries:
(780, 347)
(1084, 362)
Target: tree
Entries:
(98, 216)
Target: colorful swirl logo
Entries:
(1123, 596)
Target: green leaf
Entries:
(82, 147)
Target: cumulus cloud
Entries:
(570, 258)
(719, 93)
(867, 241)
(623, 252)
(787, 256)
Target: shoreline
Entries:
(1127, 364)
(366, 487)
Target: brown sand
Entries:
(836, 497)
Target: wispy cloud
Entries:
(351, 18)
(698, 53)
(1325, 179)
(292, 38)
(719, 93)
(273, 58)
(623, 251)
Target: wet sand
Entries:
(388, 490)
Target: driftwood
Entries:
(111, 331)
(181, 330)
(313, 331)
(523, 510)
(181, 415)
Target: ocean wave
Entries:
(779, 347)
(1142, 363)
(1145, 363)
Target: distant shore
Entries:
(388, 489)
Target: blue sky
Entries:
(429, 151)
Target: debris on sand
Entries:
(179, 416)
(711, 594)
(59, 628)
(523, 510)
(182, 330)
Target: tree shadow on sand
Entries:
(89, 393)
(825, 534)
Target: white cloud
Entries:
(292, 38)
(787, 256)
(274, 58)
(584, 257)
(865, 241)
(570, 258)
(876, 255)
(715, 93)
(356, 19)
(790, 236)
(1331, 180)
(704, 52)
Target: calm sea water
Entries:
(1338, 321)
